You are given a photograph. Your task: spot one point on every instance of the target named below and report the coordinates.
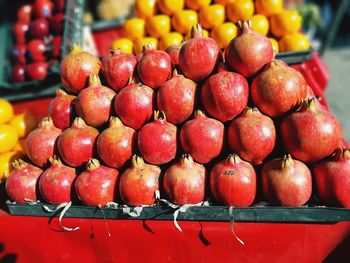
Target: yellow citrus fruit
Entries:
(143, 41)
(20, 146)
(222, 2)
(211, 16)
(240, 10)
(6, 160)
(24, 123)
(170, 39)
(8, 138)
(274, 44)
(6, 111)
(284, 23)
(224, 33)
(260, 24)
(134, 28)
(169, 7)
(188, 35)
(197, 4)
(294, 42)
(268, 7)
(124, 44)
(183, 20)
(158, 25)
(145, 8)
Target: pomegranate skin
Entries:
(97, 185)
(233, 182)
(286, 182)
(116, 144)
(134, 105)
(174, 51)
(202, 137)
(278, 88)
(224, 95)
(184, 181)
(139, 183)
(248, 52)
(311, 133)
(252, 136)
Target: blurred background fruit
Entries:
(170, 39)
(294, 42)
(6, 111)
(211, 16)
(143, 41)
(240, 10)
(145, 8)
(224, 33)
(284, 23)
(169, 7)
(124, 44)
(183, 20)
(260, 24)
(268, 7)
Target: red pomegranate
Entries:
(36, 49)
(224, 95)
(252, 135)
(57, 23)
(24, 13)
(139, 183)
(116, 144)
(43, 8)
(41, 143)
(56, 183)
(184, 181)
(20, 30)
(97, 185)
(22, 182)
(18, 54)
(332, 178)
(202, 137)
(174, 51)
(56, 43)
(286, 182)
(39, 28)
(199, 56)
(157, 140)
(311, 133)
(233, 182)
(176, 97)
(134, 105)
(249, 51)
(95, 103)
(18, 73)
(37, 70)
(76, 145)
(118, 68)
(76, 68)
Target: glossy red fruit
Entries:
(199, 56)
(176, 97)
(134, 105)
(76, 68)
(157, 140)
(202, 137)
(18, 73)
(154, 66)
(24, 13)
(61, 109)
(95, 103)
(59, 5)
(18, 54)
(286, 182)
(43, 8)
(37, 70)
(41, 143)
(225, 95)
(20, 30)
(233, 182)
(22, 182)
(56, 47)
(76, 145)
(184, 181)
(56, 23)
(249, 51)
(332, 178)
(252, 135)
(118, 68)
(174, 51)
(97, 185)
(116, 144)
(311, 133)
(56, 184)
(39, 28)
(139, 183)
(36, 49)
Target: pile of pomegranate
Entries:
(193, 124)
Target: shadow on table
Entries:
(6, 258)
(340, 254)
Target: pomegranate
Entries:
(118, 68)
(277, 89)
(224, 95)
(116, 144)
(134, 105)
(76, 144)
(174, 51)
(18, 54)
(24, 13)
(202, 137)
(154, 66)
(76, 68)
(18, 73)
(311, 133)
(39, 28)
(37, 70)
(56, 183)
(59, 5)
(43, 8)
(41, 142)
(22, 182)
(252, 135)
(176, 97)
(286, 182)
(139, 183)
(199, 56)
(233, 182)
(56, 47)
(36, 49)
(157, 140)
(20, 30)
(94, 104)
(97, 185)
(222, 67)
(56, 23)
(249, 51)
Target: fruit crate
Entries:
(295, 57)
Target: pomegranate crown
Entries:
(75, 48)
(186, 159)
(147, 46)
(159, 115)
(137, 161)
(19, 164)
(233, 158)
(94, 80)
(46, 122)
(55, 160)
(341, 154)
(245, 26)
(308, 104)
(287, 161)
(196, 31)
(115, 122)
(92, 164)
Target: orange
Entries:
(142, 41)
(211, 16)
(188, 35)
(260, 24)
(170, 39)
(268, 7)
(222, 2)
(6, 111)
(274, 44)
(224, 33)
(169, 7)
(124, 44)
(294, 42)
(196, 4)
(24, 123)
(145, 8)
(134, 28)
(240, 10)
(8, 138)
(183, 20)
(6, 160)
(285, 23)
(158, 25)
